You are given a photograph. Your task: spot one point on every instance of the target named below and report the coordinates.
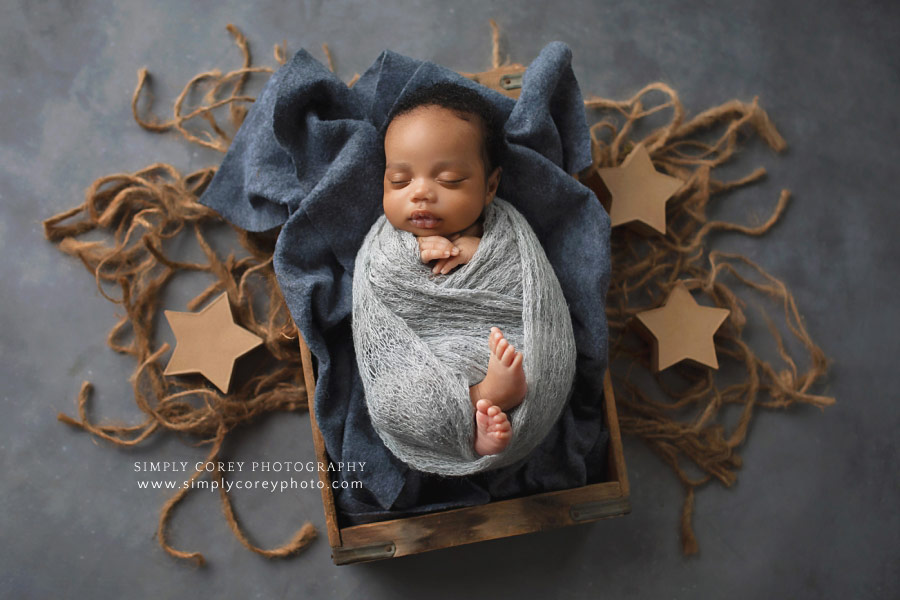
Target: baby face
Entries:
(434, 177)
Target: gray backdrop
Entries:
(813, 515)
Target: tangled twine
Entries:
(645, 269)
(146, 210)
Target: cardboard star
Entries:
(208, 342)
(639, 192)
(682, 330)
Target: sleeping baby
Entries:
(448, 284)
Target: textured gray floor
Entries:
(814, 513)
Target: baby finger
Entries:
(450, 264)
(439, 266)
(431, 254)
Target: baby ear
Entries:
(492, 183)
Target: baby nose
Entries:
(422, 191)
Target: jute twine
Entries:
(645, 269)
(145, 211)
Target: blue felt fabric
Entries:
(310, 158)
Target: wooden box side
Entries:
(309, 378)
(503, 518)
(616, 456)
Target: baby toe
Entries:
(495, 427)
(493, 337)
(508, 355)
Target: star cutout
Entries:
(682, 330)
(208, 342)
(639, 192)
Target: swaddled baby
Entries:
(441, 176)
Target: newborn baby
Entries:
(444, 283)
(440, 173)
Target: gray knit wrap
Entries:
(421, 340)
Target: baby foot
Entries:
(505, 382)
(492, 429)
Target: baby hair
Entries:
(466, 103)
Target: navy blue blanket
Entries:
(309, 157)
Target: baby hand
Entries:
(436, 247)
(466, 246)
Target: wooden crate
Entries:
(503, 518)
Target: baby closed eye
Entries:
(403, 182)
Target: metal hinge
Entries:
(513, 81)
(588, 511)
(346, 556)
